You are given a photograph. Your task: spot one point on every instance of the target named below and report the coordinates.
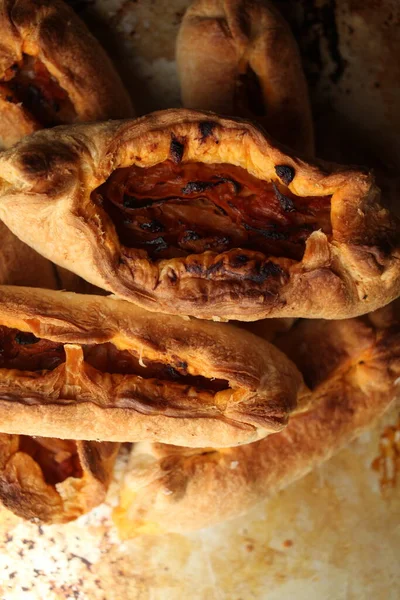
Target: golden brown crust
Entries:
(50, 31)
(25, 491)
(76, 400)
(239, 58)
(46, 183)
(355, 367)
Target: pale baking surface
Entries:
(334, 535)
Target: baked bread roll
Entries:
(52, 480)
(52, 71)
(97, 368)
(184, 212)
(42, 478)
(352, 367)
(239, 58)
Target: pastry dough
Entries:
(352, 367)
(50, 71)
(97, 368)
(228, 226)
(51, 480)
(239, 58)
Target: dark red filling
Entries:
(173, 210)
(58, 459)
(30, 83)
(25, 352)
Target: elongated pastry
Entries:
(52, 71)
(239, 58)
(97, 368)
(52, 480)
(187, 213)
(352, 367)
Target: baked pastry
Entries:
(184, 212)
(49, 71)
(239, 58)
(352, 367)
(97, 368)
(51, 480)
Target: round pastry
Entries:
(239, 57)
(49, 71)
(352, 368)
(51, 480)
(184, 212)
(96, 368)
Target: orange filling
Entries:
(173, 210)
(25, 352)
(58, 459)
(30, 83)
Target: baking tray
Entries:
(335, 534)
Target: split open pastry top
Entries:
(52, 71)
(351, 367)
(187, 213)
(96, 368)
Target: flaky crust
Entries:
(45, 198)
(77, 401)
(24, 490)
(51, 31)
(222, 44)
(355, 365)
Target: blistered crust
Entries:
(50, 31)
(355, 368)
(77, 401)
(239, 58)
(46, 183)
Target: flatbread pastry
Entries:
(184, 212)
(96, 368)
(52, 71)
(240, 58)
(352, 368)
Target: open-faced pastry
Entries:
(239, 57)
(187, 213)
(52, 480)
(96, 368)
(352, 367)
(52, 71)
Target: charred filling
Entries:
(58, 459)
(30, 83)
(173, 210)
(25, 352)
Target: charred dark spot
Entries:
(285, 173)
(9, 98)
(284, 201)
(138, 158)
(190, 236)
(159, 242)
(182, 365)
(238, 260)
(25, 338)
(206, 129)
(152, 226)
(173, 372)
(34, 163)
(215, 267)
(14, 67)
(195, 187)
(194, 268)
(269, 234)
(176, 150)
(265, 271)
